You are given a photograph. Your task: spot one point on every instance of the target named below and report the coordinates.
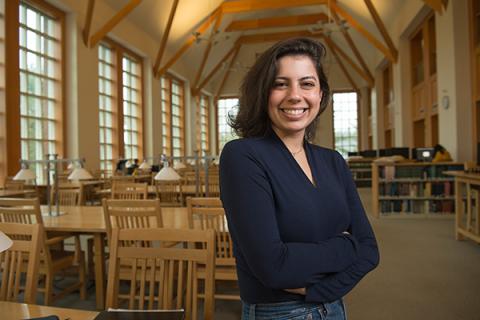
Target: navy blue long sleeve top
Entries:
(289, 232)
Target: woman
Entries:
(440, 154)
(301, 237)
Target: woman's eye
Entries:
(279, 84)
(308, 84)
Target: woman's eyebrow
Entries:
(308, 78)
(301, 79)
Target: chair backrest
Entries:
(127, 214)
(213, 185)
(210, 214)
(129, 190)
(17, 210)
(169, 192)
(161, 277)
(26, 240)
(69, 194)
(11, 184)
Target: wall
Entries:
(453, 58)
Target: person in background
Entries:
(440, 154)
(301, 237)
(132, 169)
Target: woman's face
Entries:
(295, 98)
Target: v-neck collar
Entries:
(308, 154)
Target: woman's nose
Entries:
(293, 94)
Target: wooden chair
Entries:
(162, 278)
(11, 184)
(170, 193)
(129, 191)
(210, 214)
(69, 194)
(213, 185)
(126, 214)
(27, 211)
(22, 257)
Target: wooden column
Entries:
(12, 86)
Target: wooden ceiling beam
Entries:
(337, 49)
(354, 49)
(355, 24)
(88, 22)
(269, 37)
(190, 41)
(287, 21)
(209, 47)
(342, 66)
(437, 5)
(163, 43)
(381, 27)
(233, 50)
(254, 5)
(113, 22)
(227, 72)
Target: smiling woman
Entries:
(301, 237)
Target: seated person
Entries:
(133, 167)
(441, 154)
(120, 167)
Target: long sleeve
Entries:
(250, 207)
(335, 286)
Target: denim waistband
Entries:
(269, 310)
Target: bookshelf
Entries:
(361, 171)
(413, 189)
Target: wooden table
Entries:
(90, 220)
(15, 193)
(14, 310)
(187, 190)
(467, 213)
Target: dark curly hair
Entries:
(252, 119)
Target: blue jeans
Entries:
(294, 310)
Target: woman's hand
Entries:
(301, 291)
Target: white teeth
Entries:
(293, 111)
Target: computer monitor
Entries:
(382, 153)
(352, 153)
(368, 153)
(400, 151)
(424, 154)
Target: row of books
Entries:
(417, 207)
(420, 172)
(417, 189)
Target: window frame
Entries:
(358, 116)
(167, 113)
(119, 52)
(13, 116)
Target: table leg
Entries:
(458, 209)
(99, 258)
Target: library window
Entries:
(345, 122)
(40, 61)
(120, 104)
(173, 118)
(203, 116)
(226, 107)
(106, 105)
(132, 106)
